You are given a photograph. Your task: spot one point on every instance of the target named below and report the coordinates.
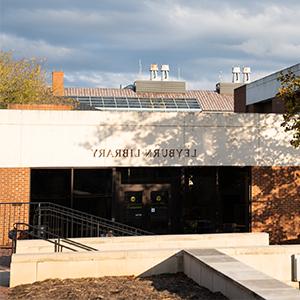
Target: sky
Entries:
(105, 43)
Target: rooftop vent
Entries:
(154, 85)
(246, 74)
(165, 69)
(236, 74)
(153, 72)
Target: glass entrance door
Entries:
(147, 206)
(135, 209)
(159, 211)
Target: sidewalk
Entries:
(5, 258)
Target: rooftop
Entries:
(207, 100)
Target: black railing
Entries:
(60, 220)
(27, 231)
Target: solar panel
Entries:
(121, 102)
(170, 103)
(135, 103)
(158, 103)
(146, 103)
(193, 104)
(181, 103)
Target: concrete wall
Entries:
(208, 267)
(177, 242)
(240, 273)
(28, 268)
(96, 139)
(144, 255)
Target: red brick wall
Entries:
(278, 106)
(14, 187)
(240, 99)
(40, 106)
(276, 202)
(58, 83)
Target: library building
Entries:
(153, 157)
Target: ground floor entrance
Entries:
(158, 199)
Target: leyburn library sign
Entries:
(36, 139)
(151, 153)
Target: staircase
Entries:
(23, 230)
(68, 222)
(60, 221)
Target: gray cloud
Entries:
(99, 43)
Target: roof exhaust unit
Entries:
(246, 74)
(153, 72)
(236, 74)
(165, 69)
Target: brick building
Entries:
(259, 96)
(156, 156)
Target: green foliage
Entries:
(24, 81)
(289, 92)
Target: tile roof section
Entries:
(210, 100)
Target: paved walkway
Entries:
(5, 259)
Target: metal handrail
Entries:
(58, 246)
(114, 224)
(67, 222)
(93, 220)
(89, 222)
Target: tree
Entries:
(289, 92)
(24, 81)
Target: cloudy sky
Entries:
(100, 42)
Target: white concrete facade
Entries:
(108, 138)
(267, 87)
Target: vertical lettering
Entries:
(195, 153)
(125, 153)
(109, 153)
(118, 153)
(179, 151)
(148, 153)
(164, 152)
(138, 153)
(156, 153)
(101, 152)
(187, 152)
(95, 152)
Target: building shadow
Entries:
(5, 261)
(168, 275)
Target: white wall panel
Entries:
(96, 139)
(267, 87)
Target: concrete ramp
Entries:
(221, 273)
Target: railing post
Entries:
(14, 240)
(72, 199)
(91, 229)
(39, 219)
(72, 225)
